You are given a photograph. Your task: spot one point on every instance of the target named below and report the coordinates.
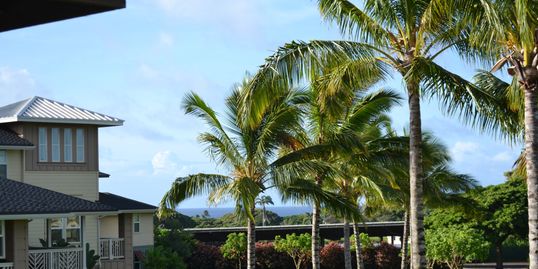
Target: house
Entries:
(50, 204)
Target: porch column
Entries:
(17, 243)
(125, 231)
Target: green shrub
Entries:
(162, 258)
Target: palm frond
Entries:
(190, 186)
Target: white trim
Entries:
(141, 211)
(3, 240)
(55, 215)
(18, 147)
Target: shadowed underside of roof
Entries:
(17, 198)
(39, 109)
(24, 13)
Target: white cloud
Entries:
(164, 162)
(16, 84)
(504, 156)
(463, 149)
(240, 16)
(166, 39)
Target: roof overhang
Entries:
(55, 215)
(16, 14)
(10, 147)
(141, 211)
(63, 121)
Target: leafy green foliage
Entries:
(455, 245)
(174, 220)
(305, 218)
(235, 247)
(296, 246)
(268, 258)
(91, 257)
(177, 241)
(162, 258)
(366, 242)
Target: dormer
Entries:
(65, 136)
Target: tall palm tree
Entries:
(405, 36)
(512, 28)
(263, 201)
(245, 150)
(332, 131)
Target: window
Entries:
(43, 144)
(55, 144)
(136, 223)
(3, 163)
(64, 229)
(68, 145)
(80, 145)
(2, 240)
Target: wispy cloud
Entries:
(464, 149)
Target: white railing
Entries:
(6, 265)
(112, 248)
(61, 258)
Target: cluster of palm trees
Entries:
(309, 124)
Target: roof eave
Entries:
(12, 147)
(63, 121)
(28, 216)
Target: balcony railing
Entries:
(6, 265)
(112, 248)
(61, 258)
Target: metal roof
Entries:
(39, 109)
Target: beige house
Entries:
(51, 209)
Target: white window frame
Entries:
(68, 145)
(55, 145)
(3, 160)
(136, 220)
(43, 153)
(64, 229)
(80, 145)
(3, 239)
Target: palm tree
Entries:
(332, 130)
(513, 35)
(441, 186)
(245, 150)
(264, 200)
(405, 36)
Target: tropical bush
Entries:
(268, 258)
(162, 258)
(455, 245)
(298, 247)
(235, 248)
(332, 256)
(206, 256)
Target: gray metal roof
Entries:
(39, 109)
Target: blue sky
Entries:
(137, 64)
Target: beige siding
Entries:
(36, 230)
(80, 184)
(91, 234)
(30, 132)
(145, 236)
(14, 164)
(109, 227)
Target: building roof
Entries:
(18, 198)
(123, 204)
(9, 139)
(24, 13)
(39, 109)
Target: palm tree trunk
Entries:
(531, 152)
(358, 248)
(251, 243)
(316, 260)
(347, 245)
(418, 249)
(263, 215)
(404, 240)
